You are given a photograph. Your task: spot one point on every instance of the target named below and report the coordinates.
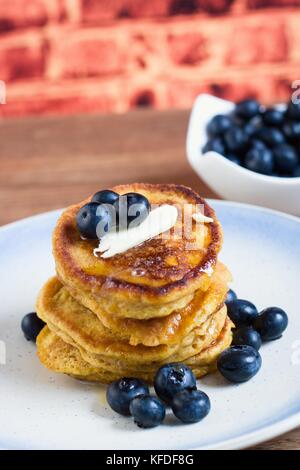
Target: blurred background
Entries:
(62, 57)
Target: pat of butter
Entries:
(160, 220)
(199, 217)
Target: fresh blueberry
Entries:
(94, 220)
(235, 139)
(270, 136)
(250, 129)
(132, 209)
(190, 406)
(31, 326)
(247, 335)
(271, 323)
(241, 312)
(258, 144)
(234, 159)
(231, 295)
(120, 393)
(259, 160)
(292, 131)
(247, 109)
(296, 172)
(171, 379)
(293, 111)
(273, 117)
(147, 411)
(105, 197)
(239, 363)
(285, 158)
(214, 145)
(219, 124)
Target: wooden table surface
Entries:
(47, 163)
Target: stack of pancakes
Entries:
(162, 301)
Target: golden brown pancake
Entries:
(78, 326)
(149, 280)
(59, 356)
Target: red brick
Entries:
(94, 11)
(187, 48)
(22, 56)
(215, 6)
(22, 13)
(256, 43)
(272, 3)
(86, 56)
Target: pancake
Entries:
(78, 326)
(59, 356)
(170, 329)
(149, 280)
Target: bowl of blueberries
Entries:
(247, 152)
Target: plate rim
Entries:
(262, 434)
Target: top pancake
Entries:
(152, 279)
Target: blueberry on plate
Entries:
(292, 131)
(231, 295)
(132, 210)
(233, 158)
(285, 158)
(293, 111)
(250, 129)
(241, 312)
(271, 323)
(94, 220)
(171, 379)
(147, 411)
(258, 144)
(31, 326)
(273, 117)
(120, 393)
(235, 139)
(259, 160)
(247, 335)
(239, 363)
(190, 406)
(296, 172)
(106, 196)
(247, 109)
(214, 145)
(270, 136)
(219, 124)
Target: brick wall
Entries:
(73, 56)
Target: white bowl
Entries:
(229, 180)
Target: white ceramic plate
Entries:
(40, 409)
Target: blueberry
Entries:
(120, 393)
(173, 378)
(273, 117)
(293, 111)
(94, 220)
(241, 312)
(234, 159)
(239, 363)
(247, 335)
(259, 160)
(132, 209)
(147, 411)
(271, 323)
(190, 406)
(286, 158)
(258, 144)
(105, 197)
(247, 109)
(270, 136)
(235, 139)
(250, 129)
(296, 172)
(31, 326)
(292, 131)
(214, 145)
(219, 124)
(231, 295)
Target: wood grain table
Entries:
(47, 163)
